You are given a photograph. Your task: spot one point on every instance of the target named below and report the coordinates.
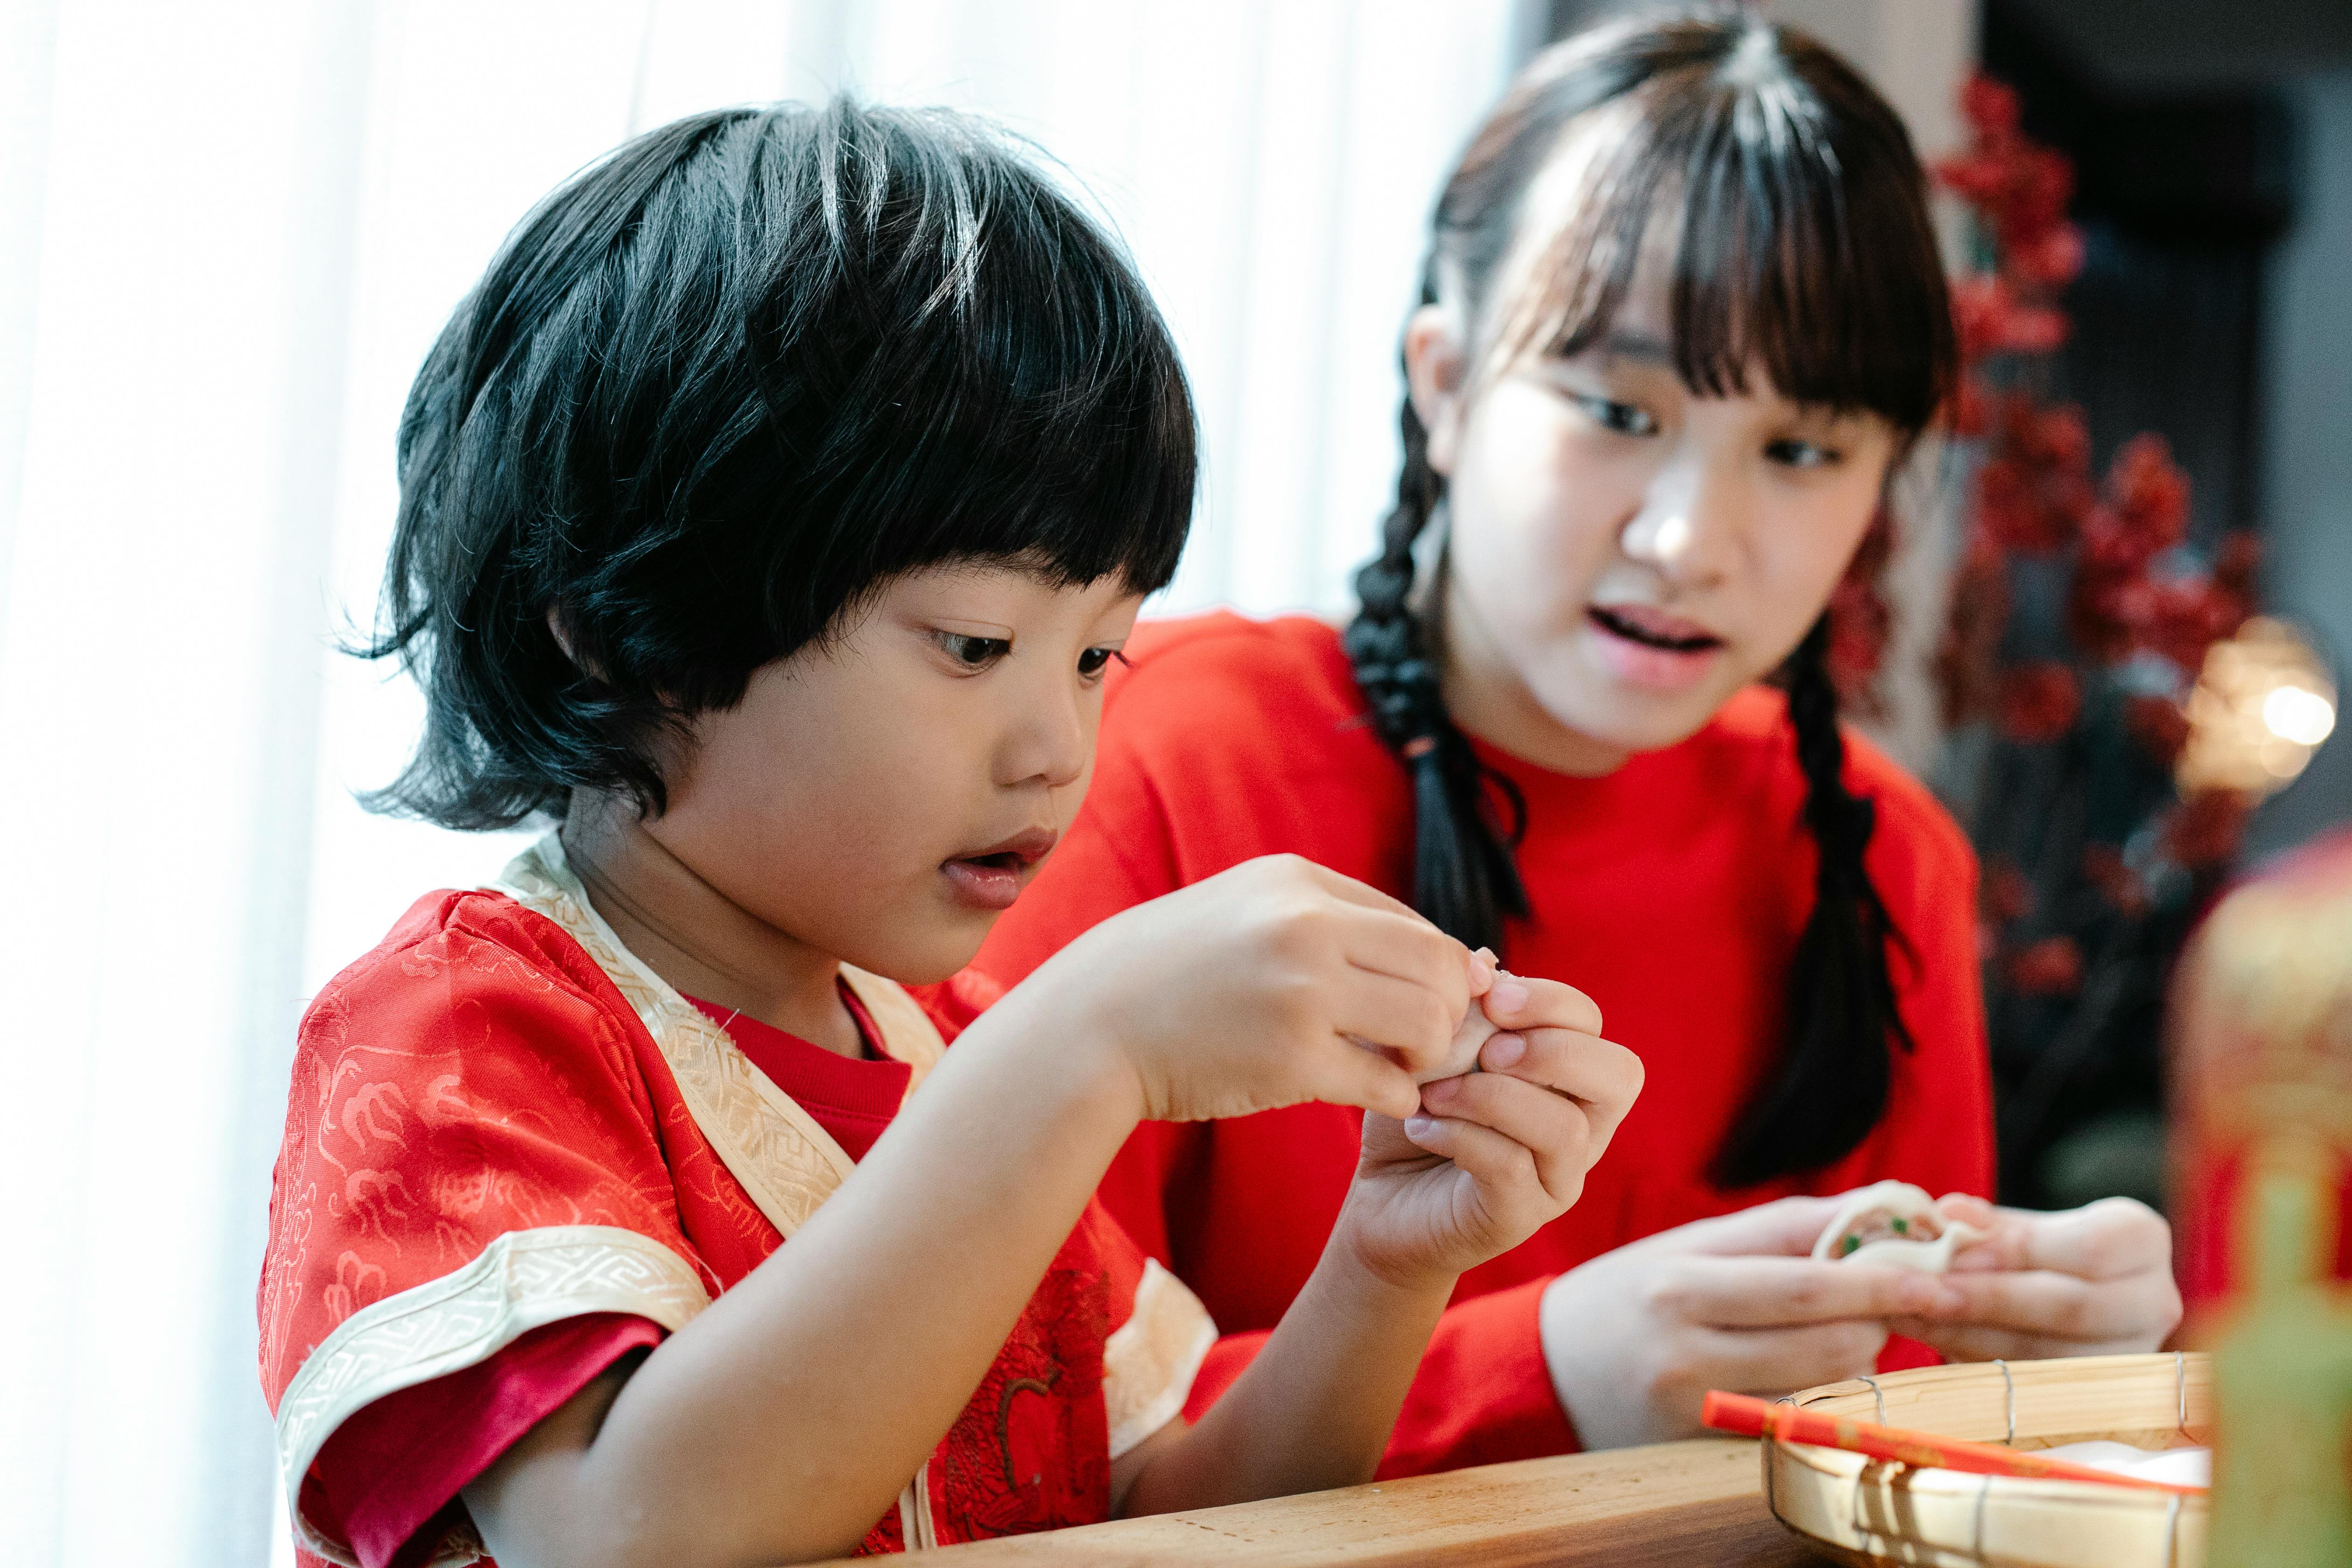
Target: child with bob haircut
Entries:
(769, 515)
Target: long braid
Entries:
(1842, 1018)
(1463, 879)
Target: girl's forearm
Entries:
(781, 1421)
(1315, 1409)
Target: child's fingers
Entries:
(1406, 948)
(1518, 1002)
(1604, 1077)
(1394, 1015)
(1504, 1168)
(1347, 1074)
(1552, 1128)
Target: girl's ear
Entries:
(1437, 372)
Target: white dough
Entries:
(1900, 1252)
(1462, 1055)
(2180, 1467)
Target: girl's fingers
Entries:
(2053, 1306)
(1784, 1292)
(1605, 1077)
(2114, 1239)
(1784, 1227)
(1520, 1002)
(1774, 1361)
(1553, 1128)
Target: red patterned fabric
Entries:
(479, 1079)
(1672, 890)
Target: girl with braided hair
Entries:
(1683, 317)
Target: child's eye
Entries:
(1622, 418)
(1095, 660)
(1794, 454)
(971, 652)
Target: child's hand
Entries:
(1493, 1154)
(1263, 987)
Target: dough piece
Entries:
(1893, 1223)
(1462, 1055)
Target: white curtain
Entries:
(227, 234)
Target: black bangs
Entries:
(722, 387)
(1800, 237)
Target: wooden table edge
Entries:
(1672, 1503)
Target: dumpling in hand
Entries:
(1462, 1055)
(1897, 1223)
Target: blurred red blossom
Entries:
(1861, 621)
(1991, 318)
(2105, 868)
(2205, 829)
(2148, 494)
(2038, 702)
(2051, 967)
(2234, 565)
(2184, 619)
(2007, 895)
(2034, 492)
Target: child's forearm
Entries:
(1315, 1409)
(781, 1421)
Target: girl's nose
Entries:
(1682, 530)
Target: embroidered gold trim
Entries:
(783, 1159)
(1151, 1360)
(907, 1032)
(522, 1280)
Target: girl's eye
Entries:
(1800, 454)
(971, 652)
(1622, 418)
(1095, 660)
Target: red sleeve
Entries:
(472, 1217)
(396, 1466)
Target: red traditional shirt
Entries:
(500, 1121)
(1672, 890)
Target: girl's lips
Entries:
(1651, 649)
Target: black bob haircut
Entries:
(719, 389)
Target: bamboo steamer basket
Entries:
(1861, 1511)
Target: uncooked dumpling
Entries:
(1462, 1055)
(1894, 1222)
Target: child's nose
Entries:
(1051, 746)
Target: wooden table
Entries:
(1672, 1505)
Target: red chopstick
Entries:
(1747, 1418)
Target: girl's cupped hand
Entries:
(1635, 1338)
(2097, 1280)
(1492, 1155)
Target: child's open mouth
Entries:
(1648, 647)
(990, 879)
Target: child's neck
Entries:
(696, 938)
